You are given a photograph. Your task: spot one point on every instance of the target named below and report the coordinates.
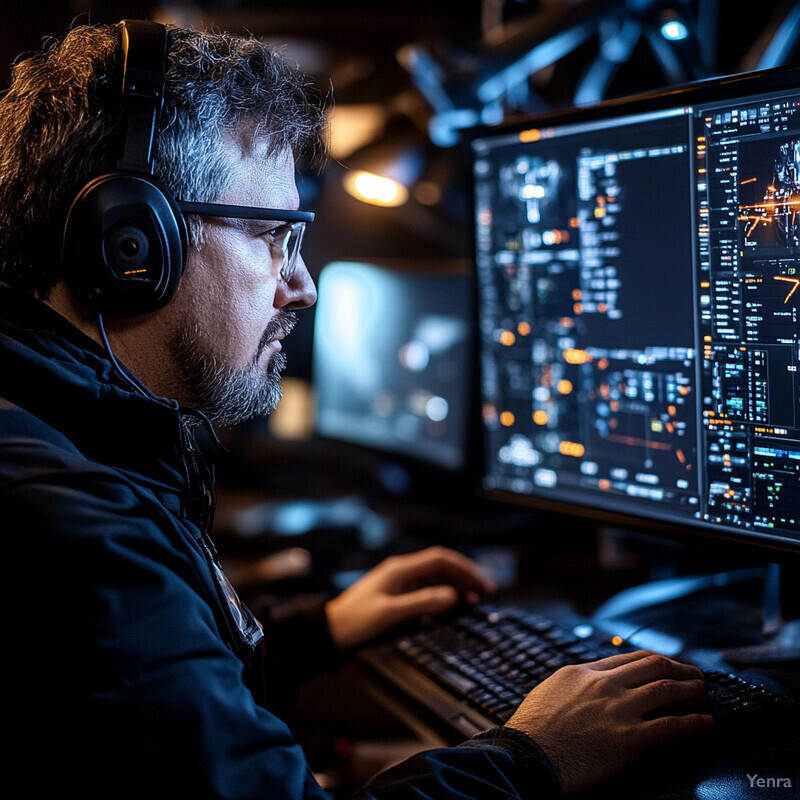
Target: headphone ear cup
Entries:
(124, 245)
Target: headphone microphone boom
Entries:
(124, 242)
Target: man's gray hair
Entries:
(58, 126)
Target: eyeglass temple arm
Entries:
(245, 212)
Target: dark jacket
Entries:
(131, 670)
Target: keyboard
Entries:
(489, 657)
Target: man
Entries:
(133, 669)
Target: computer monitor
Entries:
(392, 360)
(638, 282)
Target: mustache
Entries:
(279, 326)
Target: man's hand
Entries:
(589, 718)
(403, 587)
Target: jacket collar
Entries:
(44, 356)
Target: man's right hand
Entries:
(590, 718)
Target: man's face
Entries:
(234, 308)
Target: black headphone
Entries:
(125, 241)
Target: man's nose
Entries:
(299, 291)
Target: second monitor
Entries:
(392, 360)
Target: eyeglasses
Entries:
(288, 236)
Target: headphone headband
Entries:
(143, 79)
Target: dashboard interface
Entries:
(638, 274)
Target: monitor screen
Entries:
(638, 279)
(392, 360)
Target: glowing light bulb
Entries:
(375, 189)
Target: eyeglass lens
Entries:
(291, 248)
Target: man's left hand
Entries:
(404, 587)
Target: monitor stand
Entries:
(737, 613)
(781, 637)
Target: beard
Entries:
(230, 396)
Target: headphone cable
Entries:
(133, 382)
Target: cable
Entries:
(134, 383)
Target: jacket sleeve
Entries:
(122, 677)
(297, 645)
(501, 763)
